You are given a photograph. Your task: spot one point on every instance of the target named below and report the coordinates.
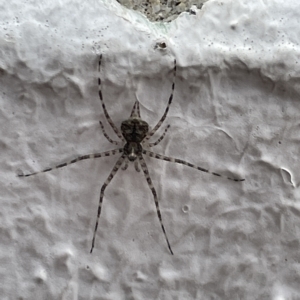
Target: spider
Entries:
(134, 134)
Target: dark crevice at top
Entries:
(162, 10)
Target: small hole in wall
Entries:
(185, 208)
(160, 45)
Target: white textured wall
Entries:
(236, 111)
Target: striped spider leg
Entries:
(157, 126)
(185, 163)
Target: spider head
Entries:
(134, 130)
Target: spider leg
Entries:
(105, 134)
(182, 162)
(150, 133)
(136, 166)
(109, 120)
(146, 172)
(136, 110)
(160, 139)
(125, 164)
(88, 156)
(108, 180)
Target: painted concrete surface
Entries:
(235, 111)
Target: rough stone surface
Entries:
(165, 11)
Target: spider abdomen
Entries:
(132, 150)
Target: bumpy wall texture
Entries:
(235, 111)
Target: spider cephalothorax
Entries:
(134, 130)
(134, 133)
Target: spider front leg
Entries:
(149, 181)
(108, 180)
(135, 112)
(182, 162)
(82, 157)
(108, 118)
(157, 126)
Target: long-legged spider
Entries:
(134, 133)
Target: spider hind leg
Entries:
(185, 163)
(75, 160)
(106, 183)
(149, 181)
